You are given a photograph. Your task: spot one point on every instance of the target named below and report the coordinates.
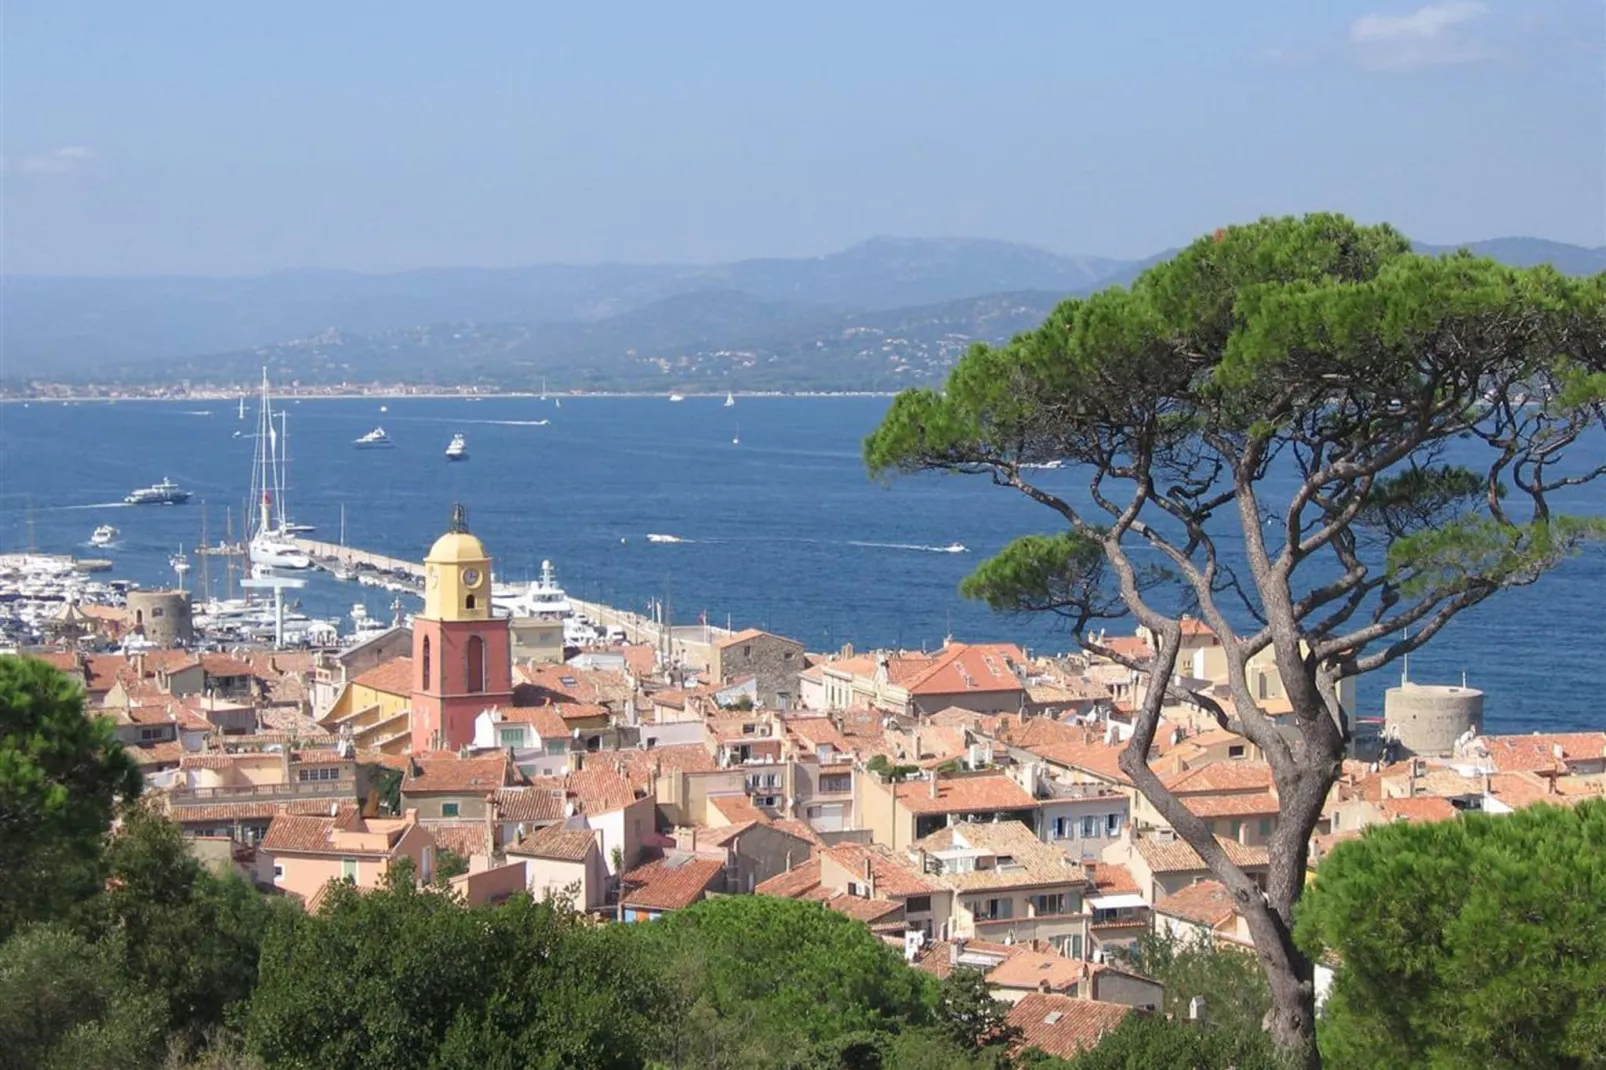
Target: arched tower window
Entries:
(476, 663)
(425, 667)
(468, 603)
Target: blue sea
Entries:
(784, 530)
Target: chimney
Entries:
(694, 839)
(933, 783)
(1550, 784)
(577, 760)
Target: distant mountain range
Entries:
(887, 313)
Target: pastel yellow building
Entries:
(376, 707)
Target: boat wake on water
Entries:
(951, 548)
(654, 537)
(195, 412)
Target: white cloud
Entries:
(1429, 36)
(59, 161)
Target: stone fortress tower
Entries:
(1427, 720)
(163, 617)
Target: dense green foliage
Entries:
(1473, 943)
(60, 776)
(1231, 983)
(1144, 1042)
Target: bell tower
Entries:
(462, 654)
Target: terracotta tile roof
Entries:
(1420, 808)
(679, 758)
(738, 809)
(393, 677)
(225, 665)
(1094, 758)
(245, 811)
(745, 636)
(557, 843)
(724, 834)
(859, 665)
(671, 883)
(445, 773)
(1255, 804)
(863, 909)
(543, 801)
(544, 719)
(600, 789)
(961, 669)
(1215, 777)
(155, 755)
(463, 838)
(894, 876)
(1206, 903)
(291, 834)
(1112, 879)
(1534, 753)
(817, 730)
(938, 955)
(961, 794)
(1031, 969)
(1177, 857)
(1040, 731)
(1032, 863)
(797, 828)
(569, 684)
(1129, 646)
(63, 661)
(1063, 1026)
(295, 834)
(793, 884)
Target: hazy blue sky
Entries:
(162, 137)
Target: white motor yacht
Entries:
(104, 535)
(676, 397)
(375, 440)
(458, 450)
(164, 493)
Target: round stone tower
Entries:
(163, 617)
(1427, 719)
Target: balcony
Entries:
(343, 788)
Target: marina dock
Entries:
(689, 644)
(351, 557)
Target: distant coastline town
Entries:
(94, 392)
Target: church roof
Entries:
(455, 547)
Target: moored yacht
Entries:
(458, 450)
(164, 493)
(375, 440)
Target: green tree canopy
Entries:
(61, 774)
(1473, 943)
(185, 934)
(65, 1005)
(791, 972)
(1231, 984)
(1323, 444)
(1148, 1042)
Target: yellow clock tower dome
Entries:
(462, 653)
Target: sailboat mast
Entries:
(206, 559)
(262, 486)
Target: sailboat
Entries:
(242, 406)
(343, 569)
(269, 546)
(285, 526)
(180, 565)
(543, 388)
(730, 399)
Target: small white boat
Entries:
(730, 399)
(458, 450)
(736, 439)
(676, 397)
(104, 535)
(297, 529)
(955, 548)
(375, 440)
(655, 537)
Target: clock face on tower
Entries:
(471, 577)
